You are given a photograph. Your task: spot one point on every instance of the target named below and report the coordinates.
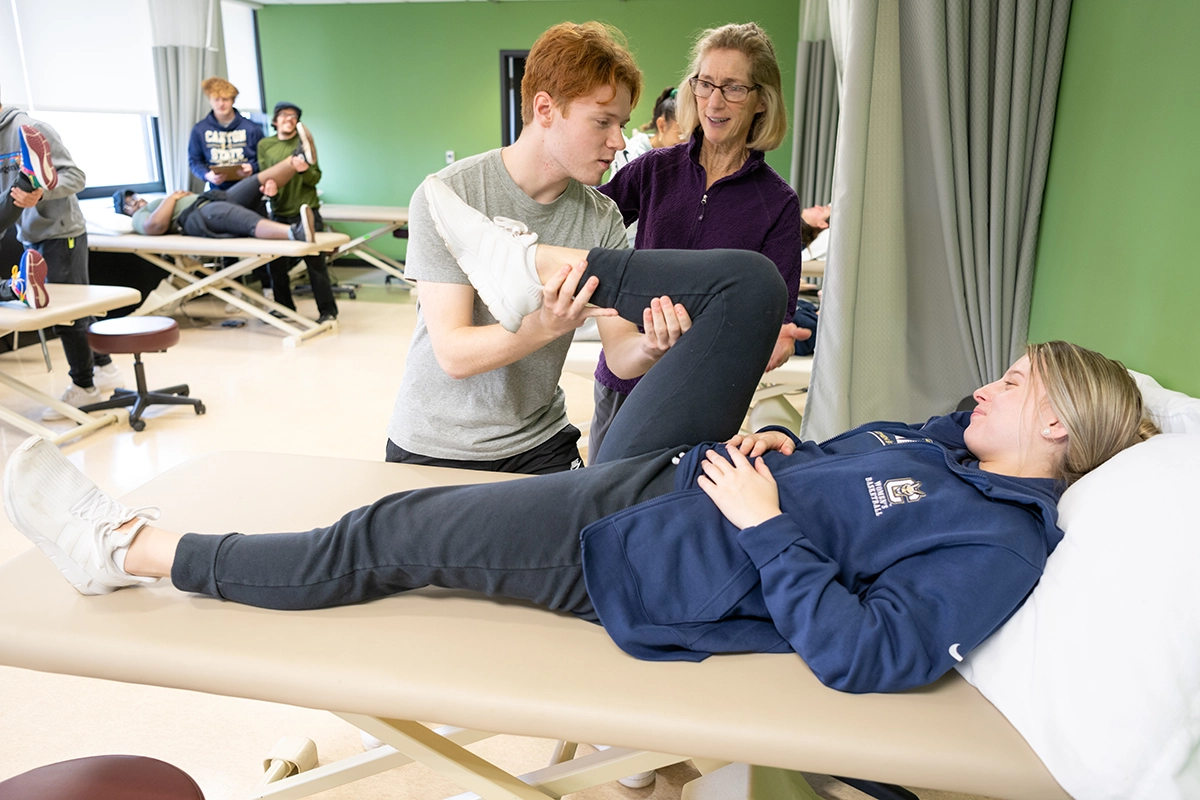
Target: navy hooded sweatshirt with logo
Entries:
(213, 143)
(894, 557)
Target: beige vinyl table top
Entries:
(176, 244)
(490, 665)
(337, 212)
(67, 302)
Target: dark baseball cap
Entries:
(281, 105)
(119, 199)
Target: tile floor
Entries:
(332, 397)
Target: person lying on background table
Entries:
(220, 214)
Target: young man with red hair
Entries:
(480, 392)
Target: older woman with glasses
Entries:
(715, 190)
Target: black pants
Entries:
(318, 275)
(67, 262)
(521, 539)
(225, 213)
(557, 454)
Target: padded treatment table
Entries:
(389, 219)
(179, 254)
(68, 302)
(485, 665)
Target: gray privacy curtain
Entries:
(187, 49)
(815, 107)
(947, 115)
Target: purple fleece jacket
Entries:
(752, 209)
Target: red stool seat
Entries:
(133, 334)
(103, 778)
(138, 335)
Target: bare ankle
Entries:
(151, 552)
(551, 258)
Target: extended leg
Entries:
(224, 217)
(519, 539)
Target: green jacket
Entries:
(300, 189)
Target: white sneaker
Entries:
(69, 518)
(75, 395)
(307, 146)
(108, 377)
(496, 255)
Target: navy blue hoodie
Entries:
(895, 556)
(214, 143)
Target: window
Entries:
(239, 28)
(77, 55)
(112, 149)
(512, 71)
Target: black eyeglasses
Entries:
(732, 92)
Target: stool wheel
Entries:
(200, 409)
(137, 425)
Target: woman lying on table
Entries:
(881, 556)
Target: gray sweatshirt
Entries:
(57, 216)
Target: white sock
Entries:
(119, 558)
(119, 553)
(531, 262)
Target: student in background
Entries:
(293, 142)
(661, 131)
(224, 138)
(38, 184)
(220, 214)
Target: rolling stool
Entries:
(138, 335)
(103, 778)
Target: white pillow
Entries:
(1100, 669)
(102, 220)
(1173, 412)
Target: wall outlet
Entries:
(449, 156)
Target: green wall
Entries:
(1117, 257)
(387, 89)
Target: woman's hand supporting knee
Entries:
(755, 444)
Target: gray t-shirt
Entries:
(509, 410)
